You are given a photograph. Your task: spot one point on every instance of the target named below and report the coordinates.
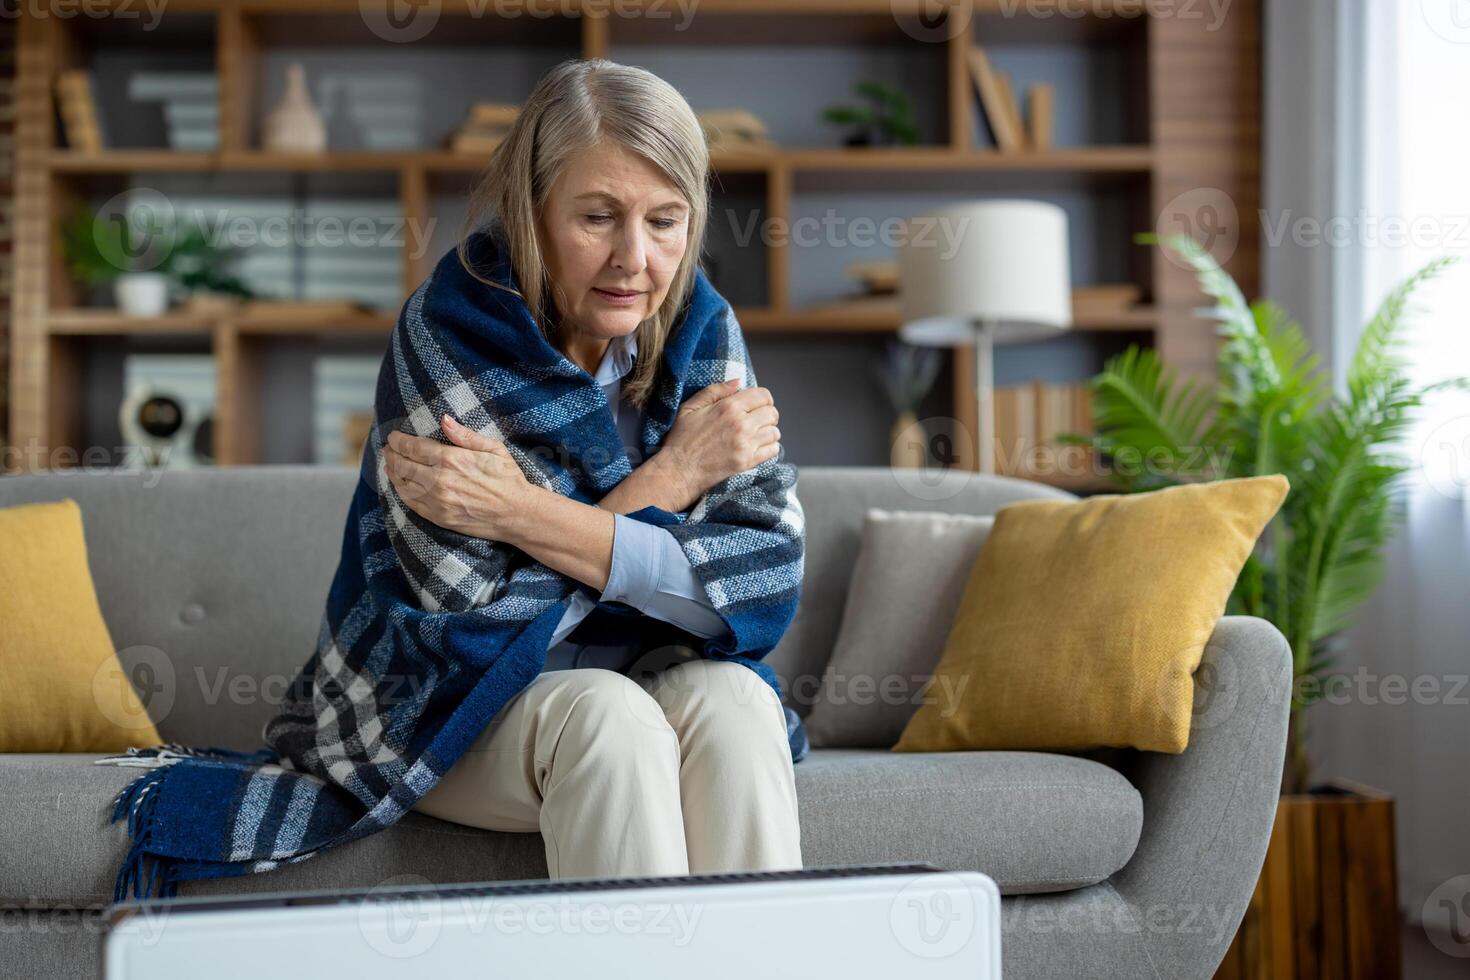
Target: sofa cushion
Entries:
(1083, 622)
(1033, 822)
(901, 601)
(64, 689)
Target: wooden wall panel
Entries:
(1205, 80)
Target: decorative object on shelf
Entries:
(906, 375)
(732, 131)
(879, 278)
(198, 267)
(998, 105)
(141, 294)
(190, 106)
(886, 121)
(77, 105)
(1321, 558)
(1040, 116)
(123, 248)
(1009, 281)
(170, 398)
(295, 125)
(1103, 299)
(484, 126)
(149, 420)
(203, 441)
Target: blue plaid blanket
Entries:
(427, 633)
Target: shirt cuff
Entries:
(637, 562)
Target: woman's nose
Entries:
(631, 252)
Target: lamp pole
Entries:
(985, 394)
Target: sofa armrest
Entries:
(1208, 811)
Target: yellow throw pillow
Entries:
(1082, 622)
(63, 689)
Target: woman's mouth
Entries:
(617, 299)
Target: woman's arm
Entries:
(656, 483)
(567, 535)
(719, 431)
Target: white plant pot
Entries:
(141, 293)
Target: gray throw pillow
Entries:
(906, 586)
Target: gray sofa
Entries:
(1114, 863)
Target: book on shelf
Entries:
(1029, 419)
(1040, 115)
(735, 131)
(1105, 299)
(78, 108)
(485, 126)
(998, 108)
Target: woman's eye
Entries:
(598, 219)
(664, 222)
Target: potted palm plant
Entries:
(1272, 410)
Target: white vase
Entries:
(141, 293)
(295, 125)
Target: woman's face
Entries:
(612, 221)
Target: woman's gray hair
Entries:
(576, 105)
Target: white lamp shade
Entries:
(1000, 263)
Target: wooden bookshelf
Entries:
(1199, 108)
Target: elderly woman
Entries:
(572, 543)
(689, 770)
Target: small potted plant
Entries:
(888, 118)
(145, 259)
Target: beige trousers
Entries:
(684, 770)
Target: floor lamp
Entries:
(985, 273)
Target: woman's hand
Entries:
(720, 431)
(474, 486)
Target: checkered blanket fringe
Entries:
(427, 632)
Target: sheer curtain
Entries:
(1394, 194)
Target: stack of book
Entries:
(730, 131)
(1002, 113)
(190, 106)
(485, 125)
(1028, 420)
